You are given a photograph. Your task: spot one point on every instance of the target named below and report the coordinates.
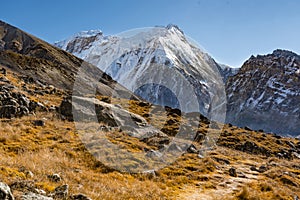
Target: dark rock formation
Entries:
(265, 94)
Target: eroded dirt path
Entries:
(220, 183)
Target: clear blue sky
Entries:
(230, 30)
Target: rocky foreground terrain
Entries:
(44, 156)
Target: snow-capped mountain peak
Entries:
(164, 67)
(162, 56)
(79, 41)
(174, 27)
(89, 33)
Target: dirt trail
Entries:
(225, 185)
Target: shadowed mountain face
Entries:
(265, 94)
(29, 56)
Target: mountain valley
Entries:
(46, 92)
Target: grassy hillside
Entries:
(30, 153)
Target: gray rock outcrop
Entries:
(5, 192)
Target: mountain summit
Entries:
(159, 64)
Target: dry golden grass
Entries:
(261, 190)
(57, 148)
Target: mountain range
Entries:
(263, 94)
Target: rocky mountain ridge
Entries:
(41, 62)
(261, 94)
(265, 93)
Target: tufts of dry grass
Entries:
(57, 148)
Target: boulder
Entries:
(296, 155)
(28, 173)
(262, 169)
(65, 108)
(282, 153)
(22, 185)
(80, 197)
(150, 173)
(232, 172)
(253, 168)
(291, 144)
(221, 160)
(38, 122)
(83, 109)
(54, 177)
(4, 80)
(3, 71)
(192, 149)
(34, 196)
(5, 193)
(173, 111)
(61, 192)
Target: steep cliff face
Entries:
(265, 93)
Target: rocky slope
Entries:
(159, 64)
(15, 103)
(43, 63)
(265, 93)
